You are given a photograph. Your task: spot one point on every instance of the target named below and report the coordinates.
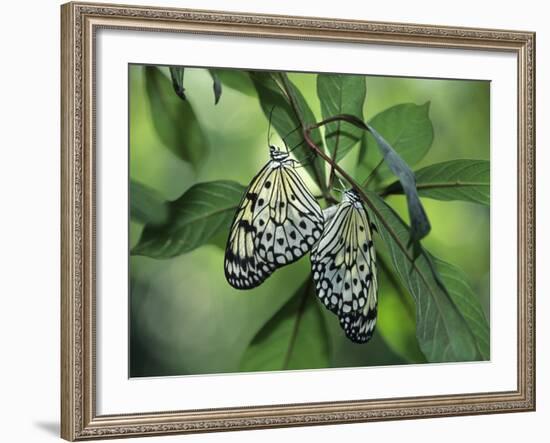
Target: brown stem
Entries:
(333, 164)
(339, 118)
(331, 175)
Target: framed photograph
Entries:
(282, 221)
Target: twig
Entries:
(334, 154)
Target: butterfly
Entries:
(344, 267)
(278, 221)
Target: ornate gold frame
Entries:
(79, 420)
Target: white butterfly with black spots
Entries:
(277, 222)
(344, 267)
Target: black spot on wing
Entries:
(248, 228)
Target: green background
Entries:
(184, 316)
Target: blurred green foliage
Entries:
(184, 316)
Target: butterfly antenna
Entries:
(286, 146)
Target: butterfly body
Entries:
(344, 268)
(277, 222)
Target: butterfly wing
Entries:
(244, 269)
(288, 218)
(278, 221)
(344, 271)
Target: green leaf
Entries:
(420, 225)
(146, 204)
(407, 128)
(467, 180)
(176, 74)
(236, 79)
(289, 113)
(194, 219)
(217, 86)
(467, 303)
(341, 94)
(174, 119)
(442, 331)
(396, 317)
(295, 338)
